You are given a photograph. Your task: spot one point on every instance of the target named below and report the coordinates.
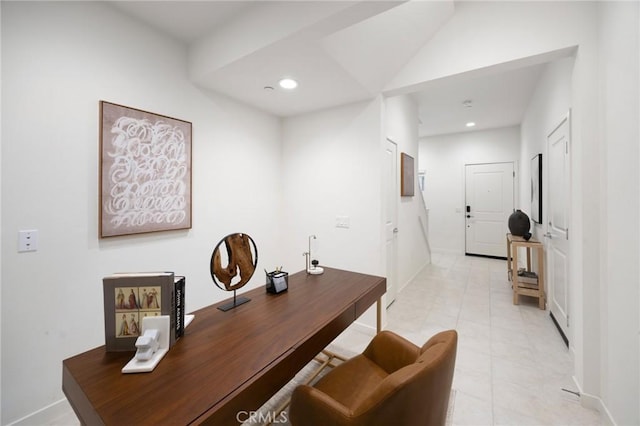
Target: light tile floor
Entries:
(511, 364)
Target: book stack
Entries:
(129, 297)
(527, 279)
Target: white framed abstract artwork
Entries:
(145, 171)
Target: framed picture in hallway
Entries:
(145, 171)
(536, 188)
(407, 175)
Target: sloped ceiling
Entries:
(339, 51)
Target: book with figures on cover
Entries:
(129, 297)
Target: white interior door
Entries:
(391, 217)
(488, 205)
(558, 144)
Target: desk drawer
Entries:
(370, 298)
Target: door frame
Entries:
(391, 272)
(564, 332)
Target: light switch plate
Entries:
(342, 222)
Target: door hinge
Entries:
(567, 234)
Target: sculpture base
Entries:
(315, 270)
(236, 301)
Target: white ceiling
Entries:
(497, 100)
(339, 51)
(186, 21)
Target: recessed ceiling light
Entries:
(470, 124)
(288, 83)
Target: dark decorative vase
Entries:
(519, 224)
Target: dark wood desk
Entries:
(227, 362)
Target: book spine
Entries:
(179, 312)
(172, 313)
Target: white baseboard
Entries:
(402, 286)
(438, 250)
(595, 403)
(46, 415)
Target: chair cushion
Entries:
(391, 351)
(352, 382)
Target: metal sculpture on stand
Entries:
(312, 264)
(240, 254)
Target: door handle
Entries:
(395, 230)
(548, 235)
(469, 216)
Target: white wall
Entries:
(549, 104)
(401, 120)
(619, 45)
(332, 166)
(58, 61)
(483, 34)
(443, 159)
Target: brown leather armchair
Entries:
(392, 382)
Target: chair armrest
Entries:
(391, 352)
(311, 407)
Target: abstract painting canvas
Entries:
(145, 171)
(407, 176)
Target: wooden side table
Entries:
(530, 283)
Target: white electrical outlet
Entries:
(27, 240)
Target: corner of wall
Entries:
(594, 403)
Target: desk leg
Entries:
(379, 315)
